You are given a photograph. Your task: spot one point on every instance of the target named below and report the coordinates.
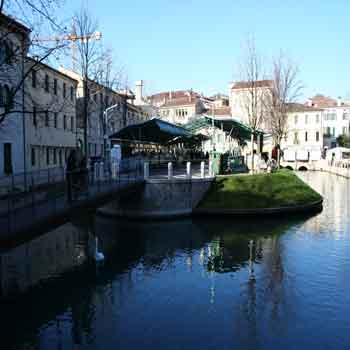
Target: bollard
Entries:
(96, 171)
(145, 170)
(114, 170)
(170, 170)
(202, 170)
(102, 171)
(188, 170)
(210, 168)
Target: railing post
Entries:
(170, 170)
(188, 170)
(146, 170)
(202, 170)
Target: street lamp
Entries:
(105, 136)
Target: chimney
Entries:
(339, 101)
(170, 95)
(309, 102)
(138, 91)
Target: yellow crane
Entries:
(73, 37)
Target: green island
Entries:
(259, 191)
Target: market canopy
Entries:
(154, 131)
(232, 126)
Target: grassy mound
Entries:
(280, 189)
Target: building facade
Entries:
(51, 125)
(304, 136)
(13, 49)
(108, 112)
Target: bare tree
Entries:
(285, 90)
(89, 55)
(252, 74)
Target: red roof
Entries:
(322, 101)
(249, 84)
(171, 95)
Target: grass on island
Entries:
(280, 189)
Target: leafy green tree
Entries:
(343, 141)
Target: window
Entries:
(47, 156)
(64, 122)
(47, 118)
(55, 118)
(328, 131)
(317, 118)
(295, 119)
(54, 156)
(101, 99)
(296, 141)
(7, 158)
(60, 156)
(71, 93)
(330, 116)
(35, 121)
(72, 123)
(55, 86)
(306, 118)
(306, 136)
(333, 131)
(33, 78)
(8, 98)
(32, 157)
(47, 83)
(95, 98)
(64, 90)
(346, 116)
(317, 136)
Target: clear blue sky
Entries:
(196, 44)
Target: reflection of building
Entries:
(40, 259)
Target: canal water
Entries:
(186, 284)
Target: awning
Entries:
(233, 127)
(154, 130)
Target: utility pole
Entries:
(105, 124)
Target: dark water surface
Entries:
(188, 284)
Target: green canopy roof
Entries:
(231, 126)
(154, 130)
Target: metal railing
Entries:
(27, 198)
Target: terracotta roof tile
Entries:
(248, 84)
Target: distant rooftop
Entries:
(249, 84)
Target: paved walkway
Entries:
(24, 211)
(25, 214)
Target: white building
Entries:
(51, 126)
(304, 137)
(13, 48)
(240, 98)
(108, 112)
(38, 125)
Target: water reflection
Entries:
(182, 284)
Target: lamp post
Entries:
(105, 122)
